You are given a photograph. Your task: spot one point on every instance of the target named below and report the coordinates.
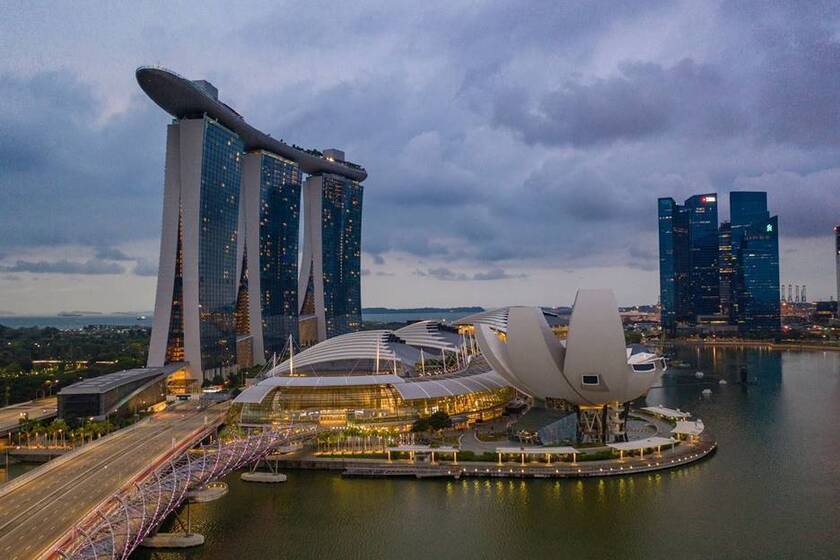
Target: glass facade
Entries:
(175, 337)
(368, 405)
(755, 242)
(280, 182)
(727, 270)
(837, 264)
(218, 225)
(731, 269)
(704, 275)
(341, 238)
(673, 264)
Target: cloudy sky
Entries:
(515, 150)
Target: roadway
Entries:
(36, 410)
(39, 511)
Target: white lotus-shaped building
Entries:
(594, 368)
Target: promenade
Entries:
(41, 507)
(734, 343)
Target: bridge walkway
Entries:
(43, 506)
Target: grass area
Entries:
(596, 456)
(491, 437)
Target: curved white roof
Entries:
(496, 319)
(362, 346)
(429, 334)
(409, 389)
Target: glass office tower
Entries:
(271, 219)
(673, 264)
(704, 249)
(689, 280)
(198, 279)
(837, 264)
(755, 243)
(727, 270)
(330, 280)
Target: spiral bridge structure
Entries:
(115, 528)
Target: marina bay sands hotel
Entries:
(229, 289)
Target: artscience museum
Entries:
(592, 372)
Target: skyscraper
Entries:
(689, 276)
(330, 279)
(270, 221)
(727, 270)
(704, 249)
(837, 264)
(673, 263)
(229, 248)
(197, 283)
(755, 242)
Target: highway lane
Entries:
(36, 410)
(34, 516)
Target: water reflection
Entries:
(777, 459)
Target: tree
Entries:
(440, 420)
(421, 425)
(437, 421)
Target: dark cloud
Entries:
(643, 100)
(444, 273)
(65, 267)
(496, 274)
(66, 178)
(498, 136)
(111, 254)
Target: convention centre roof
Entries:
(111, 381)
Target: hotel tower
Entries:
(227, 287)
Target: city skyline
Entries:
(487, 192)
(720, 274)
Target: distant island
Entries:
(77, 313)
(388, 310)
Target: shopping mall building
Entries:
(380, 378)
